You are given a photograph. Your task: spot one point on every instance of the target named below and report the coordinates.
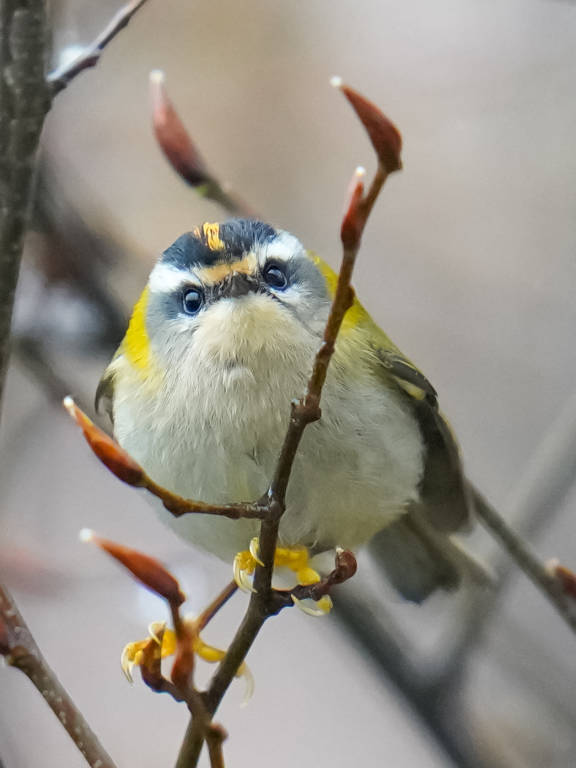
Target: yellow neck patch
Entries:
(136, 344)
(356, 315)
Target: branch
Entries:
(154, 576)
(538, 496)
(526, 560)
(262, 604)
(19, 649)
(25, 101)
(130, 472)
(63, 76)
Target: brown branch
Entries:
(526, 560)
(63, 76)
(304, 411)
(19, 649)
(215, 737)
(123, 466)
(153, 575)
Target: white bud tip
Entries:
(68, 403)
(86, 535)
(157, 77)
(336, 82)
(360, 172)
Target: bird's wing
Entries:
(104, 398)
(445, 502)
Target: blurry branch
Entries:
(20, 651)
(183, 155)
(439, 710)
(70, 253)
(63, 76)
(30, 353)
(25, 98)
(538, 496)
(549, 584)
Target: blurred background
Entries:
(468, 262)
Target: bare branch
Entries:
(19, 648)
(304, 412)
(63, 76)
(130, 472)
(25, 101)
(526, 560)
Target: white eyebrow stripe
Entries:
(284, 247)
(166, 278)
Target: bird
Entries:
(220, 342)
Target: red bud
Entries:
(146, 569)
(354, 219)
(173, 137)
(567, 579)
(106, 449)
(383, 134)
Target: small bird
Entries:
(221, 340)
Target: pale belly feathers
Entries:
(216, 437)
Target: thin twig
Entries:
(219, 601)
(215, 737)
(125, 468)
(63, 76)
(539, 496)
(20, 650)
(526, 560)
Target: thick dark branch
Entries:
(61, 77)
(20, 650)
(25, 101)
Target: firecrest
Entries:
(220, 342)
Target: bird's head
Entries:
(240, 293)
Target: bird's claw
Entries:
(133, 653)
(322, 606)
(296, 559)
(244, 566)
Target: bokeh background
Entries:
(469, 263)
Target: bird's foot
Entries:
(296, 559)
(133, 653)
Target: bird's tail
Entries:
(418, 560)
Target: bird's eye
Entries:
(192, 300)
(275, 276)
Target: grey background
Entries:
(469, 264)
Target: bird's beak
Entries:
(236, 285)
